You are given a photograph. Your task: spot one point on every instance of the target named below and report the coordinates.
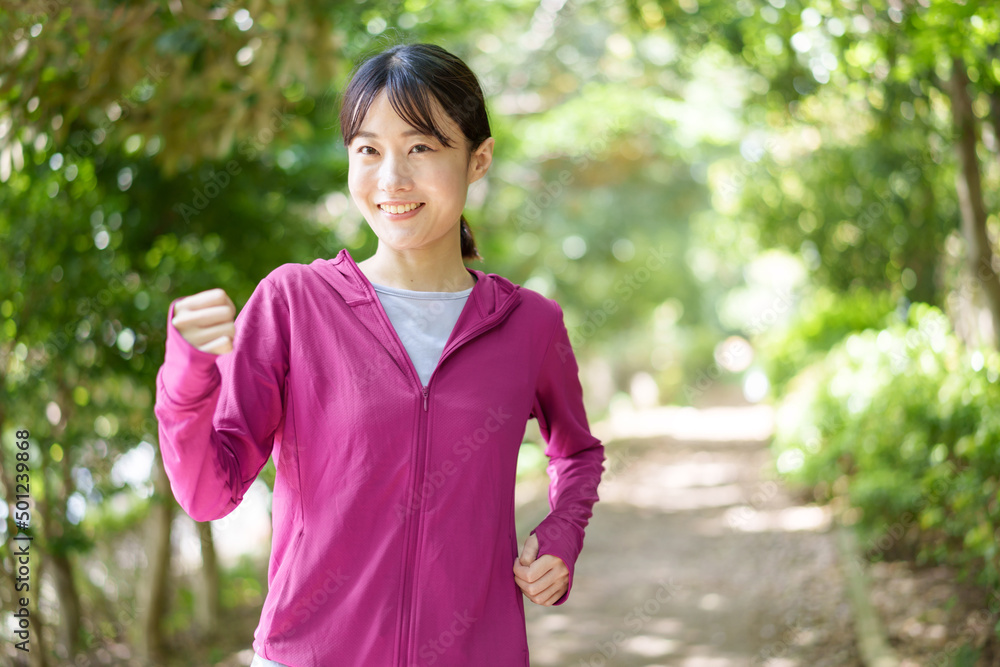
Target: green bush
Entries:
(899, 428)
(823, 320)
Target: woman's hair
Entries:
(411, 74)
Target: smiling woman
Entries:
(393, 395)
(415, 124)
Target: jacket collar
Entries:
(493, 297)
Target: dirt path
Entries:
(693, 558)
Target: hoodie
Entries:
(393, 536)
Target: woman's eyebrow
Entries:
(408, 133)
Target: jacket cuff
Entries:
(555, 538)
(188, 375)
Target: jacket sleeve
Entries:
(576, 457)
(218, 414)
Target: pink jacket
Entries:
(393, 508)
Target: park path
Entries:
(694, 557)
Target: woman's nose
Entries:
(394, 174)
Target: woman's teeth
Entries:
(399, 209)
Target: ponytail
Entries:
(469, 250)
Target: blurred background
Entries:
(780, 203)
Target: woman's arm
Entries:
(218, 414)
(576, 457)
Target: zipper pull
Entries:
(425, 390)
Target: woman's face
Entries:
(393, 164)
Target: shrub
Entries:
(899, 428)
(823, 320)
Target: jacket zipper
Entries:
(410, 538)
(413, 527)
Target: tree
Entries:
(862, 102)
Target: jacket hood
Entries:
(492, 299)
(489, 295)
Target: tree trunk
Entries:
(62, 567)
(37, 655)
(148, 638)
(970, 196)
(995, 116)
(69, 602)
(207, 600)
(994, 95)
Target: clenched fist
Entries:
(542, 580)
(207, 320)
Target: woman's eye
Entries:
(363, 150)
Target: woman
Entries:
(393, 394)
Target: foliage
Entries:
(649, 155)
(824, 319)
(900, 425)
(847, 157)
(149, 151)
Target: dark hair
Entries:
(411, 73)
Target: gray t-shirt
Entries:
(423, 321)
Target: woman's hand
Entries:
(207, 320)
(542, 580)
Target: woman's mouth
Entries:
(400, 210)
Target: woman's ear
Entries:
(481, 160)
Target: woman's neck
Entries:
(415, 272)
